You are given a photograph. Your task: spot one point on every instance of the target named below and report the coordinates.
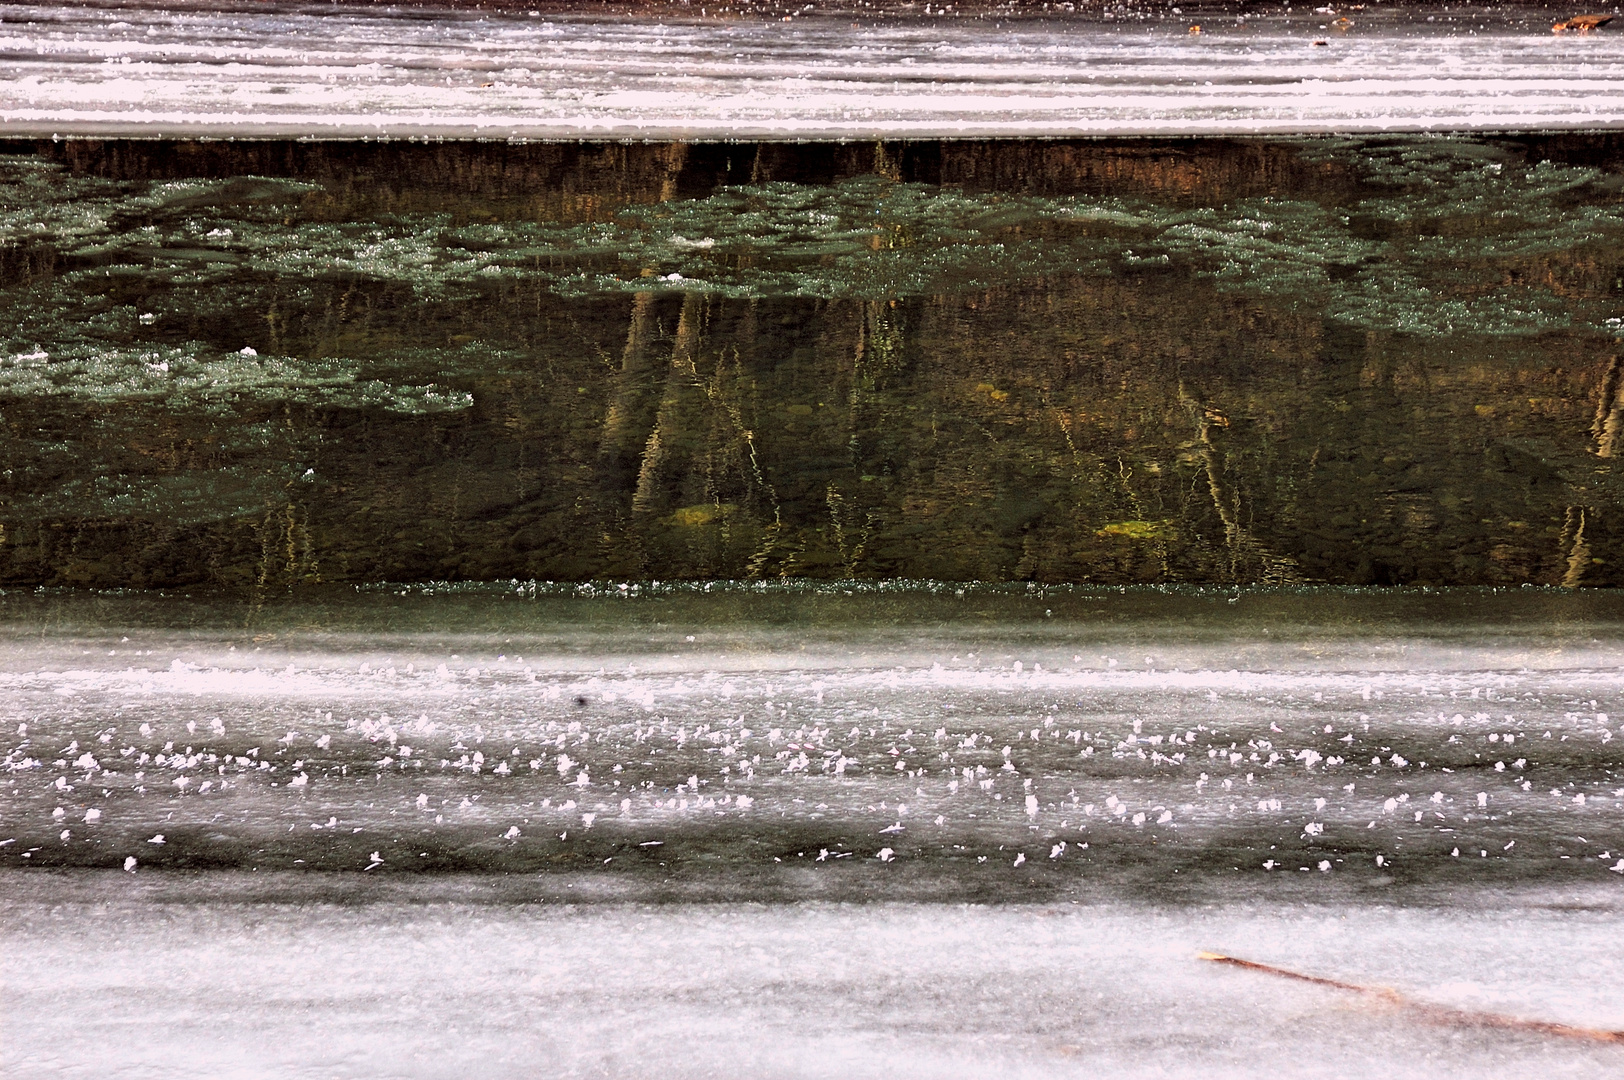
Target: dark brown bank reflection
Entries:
(1142, 425)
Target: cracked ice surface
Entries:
(370, 72)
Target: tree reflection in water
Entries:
(260, 365)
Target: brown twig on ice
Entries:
(1581, 24)
(1439, 1013)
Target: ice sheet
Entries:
(106, 976)
(376, 72)
(803, 743)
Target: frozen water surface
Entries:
(292, 70)
(835, 829)
(147, 980)
(948, 742)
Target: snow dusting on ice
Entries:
(370, 72)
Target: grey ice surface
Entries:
(118, 976)
(818, 830)
(287, 71)
(803, 743)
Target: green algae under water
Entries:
(260, 366)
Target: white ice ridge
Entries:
(380, 73)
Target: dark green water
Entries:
(262, 366)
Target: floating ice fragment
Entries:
(92, 816)
(1325, 866)
(512, 833)
(156, 838)
(885, 854)
(129, 864)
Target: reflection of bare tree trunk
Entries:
(287, 556)
(668, 425)
(1605, 429)
(673, 156)
(625, 422)
(1277, 569)
(876, 349)
(1609, 412)
(1579, 553)
(886, 164)
(627, 418)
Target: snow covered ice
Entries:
(288, 70)
(572, 730)
(1048, 800)
(443, 978)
